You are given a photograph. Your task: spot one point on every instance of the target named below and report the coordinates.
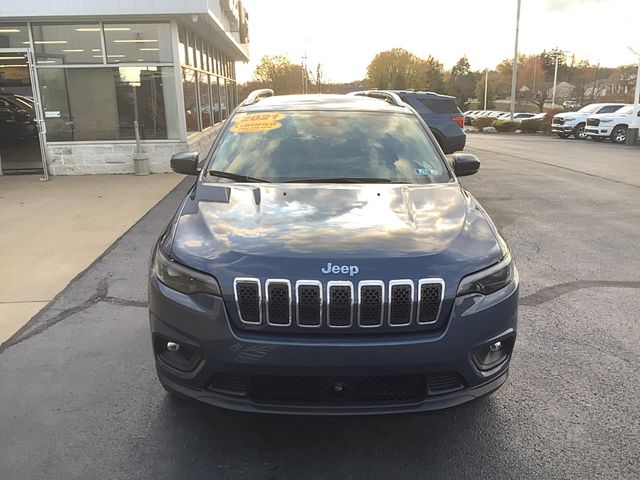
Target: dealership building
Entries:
(79, 79)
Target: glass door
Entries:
(21, 138)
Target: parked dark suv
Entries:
(442, 114)
(328, 261)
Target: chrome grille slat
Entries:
(334, 304)
(249, 310)
(401, 299)
(278, 300)
(339, 304)
(430, 296)
(308, 315)
(370, 303)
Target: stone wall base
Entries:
(85, 158)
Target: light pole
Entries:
(514, 74)
(556, 53)
(486, 85)
(632, 136)
(555, 79)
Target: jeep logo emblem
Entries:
(350, 269)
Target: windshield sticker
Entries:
(257, 122)
(425, 171)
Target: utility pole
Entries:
(632, 134)
(535, 65)
(304, 73)
(595, 78)
(486, 85)
(514, 74)
(555, 78)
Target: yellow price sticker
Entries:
(256, 122)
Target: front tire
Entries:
(619, 134)
(579, 133)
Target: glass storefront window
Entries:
(146, 95)
(89, 104)
(67, 44)
(223, 99)
(215, 99)
(190, 99)
(190, 49)
(138, 42)
(55, 103)
(216, 64)
(231, 92)
(198, 63)
(209, 59)
(205, 101)
(14, 36)
(182, 45)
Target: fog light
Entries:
(179, 356)
(493, 354)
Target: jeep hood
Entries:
(219, 226)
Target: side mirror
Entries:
(185, 163)
(465, 164)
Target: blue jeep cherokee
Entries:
(328, 261)
(442, 114)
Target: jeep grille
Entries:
(336, 305)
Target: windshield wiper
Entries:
(341, 180)
(236, 177)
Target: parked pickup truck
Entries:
(573, 123)
(610, 125)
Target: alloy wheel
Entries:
(620, 135)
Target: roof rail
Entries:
(390, 97)
(256, 95)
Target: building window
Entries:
(190, 99)
(215, 99)
(182, 45)
(208, 55)
(231, 91)
(223, 99)
(198, 46)
(14, 36)
(190, 49)
(67, 44)
(138, 42)
(92, 104)
(206, 119)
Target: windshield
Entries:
(589, 108)
(308, 145)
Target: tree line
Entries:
(400, 69)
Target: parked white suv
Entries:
(610, 125)
(573, 123)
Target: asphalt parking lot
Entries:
(79, 397)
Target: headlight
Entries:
(569, 119)
(489, 280)
(606, 121)
(181, 278)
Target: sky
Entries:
(344, 35)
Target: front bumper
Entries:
(562, 129)
(599, 131)
(201, 324)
